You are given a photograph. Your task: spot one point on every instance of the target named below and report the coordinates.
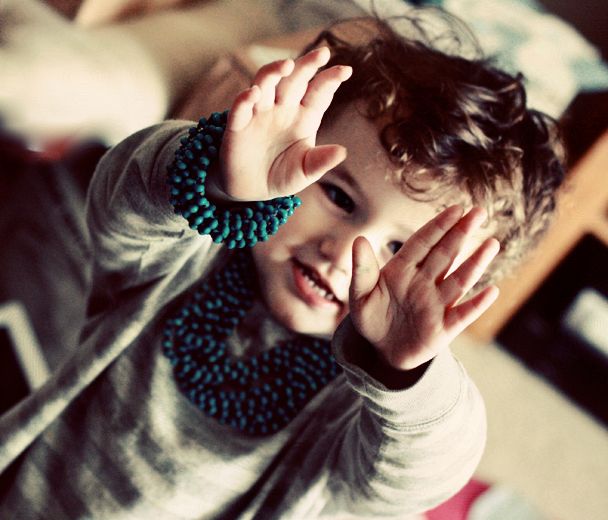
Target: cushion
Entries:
(556, 60)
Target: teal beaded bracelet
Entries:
(239, 225)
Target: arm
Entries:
(421, 431)
(135, 235)
(407, 450)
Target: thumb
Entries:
(321, 159)
(366, 270)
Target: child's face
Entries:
(305, 269)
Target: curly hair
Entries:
(451, 121)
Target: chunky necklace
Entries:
(257, 395)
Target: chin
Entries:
(302, 321)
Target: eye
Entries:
(338, 197)
(394, 246)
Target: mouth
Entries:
(312, 288)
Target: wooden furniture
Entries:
(582, 208)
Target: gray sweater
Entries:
(111, 437)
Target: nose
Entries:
(336, 248)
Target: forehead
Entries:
(359, 135)
(368, 157)
(370, 174)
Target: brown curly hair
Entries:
(453, 120)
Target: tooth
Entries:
(318, 289)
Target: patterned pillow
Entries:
(555, 59)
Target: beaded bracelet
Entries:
(239, 225)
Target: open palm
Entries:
(410, 310)
(268, 149)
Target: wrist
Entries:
(213, 186)
(391, 377)
(367, 357)
(194, 172)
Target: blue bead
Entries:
(226, 295)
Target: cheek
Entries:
(304, 224)
(281, 246)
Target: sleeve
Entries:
(143, 255)
(405, 451)
(136, 237)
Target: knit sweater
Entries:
(110, 436)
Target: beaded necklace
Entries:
(256, 395)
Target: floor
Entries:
(540, 444)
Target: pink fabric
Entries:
(457, 507)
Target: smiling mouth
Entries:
(316, 284)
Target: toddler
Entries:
(250, 354)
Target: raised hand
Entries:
(269, 148)
(410, 310)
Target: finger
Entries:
(457, 284)
(268, 77)
(323, 86)
(418, 246)
(291, 88)
(461, 316)
(365, 272)
(442, 255)
(241, 111)
(321, 159)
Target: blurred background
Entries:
(77, 76)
